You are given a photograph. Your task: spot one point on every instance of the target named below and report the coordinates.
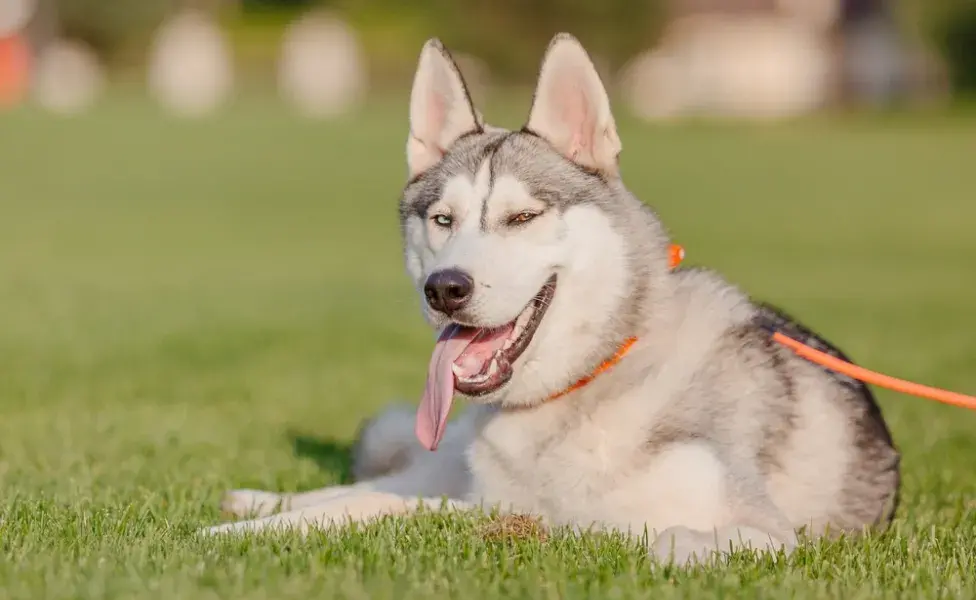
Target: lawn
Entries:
(191, 307)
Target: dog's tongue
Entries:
(439, 392)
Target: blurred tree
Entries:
(504, 33)
(508, 35)
(950, 27)
(271, 5)
(958, 41)
(108, 26)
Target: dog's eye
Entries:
(523, 217)
(443, 220)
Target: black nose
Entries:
(448, 290)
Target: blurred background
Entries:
(666, 59)
(199, 247)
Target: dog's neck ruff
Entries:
(675, 255)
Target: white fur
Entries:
(683, 486)
(815, 442)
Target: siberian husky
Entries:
(606, 389)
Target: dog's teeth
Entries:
(493, 367)
(474, 379)
(458, 371)
(521, 322)
(508, 342)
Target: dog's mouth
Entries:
(485, 364)
(475, 361)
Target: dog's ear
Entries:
(571, 109)
(440, 108)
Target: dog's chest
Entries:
(552, 463)
(597, 470)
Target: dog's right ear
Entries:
(571, 109)
(440, 108)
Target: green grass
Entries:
(191, 307)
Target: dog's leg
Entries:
(358, 507)
(424, 473)
(436, 474)
(683, 546)
(420, 480)
(758, 525)
(259, 503)
(712, 503)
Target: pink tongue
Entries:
(439, 392)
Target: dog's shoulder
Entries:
(729, 337)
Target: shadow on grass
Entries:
(330, 455)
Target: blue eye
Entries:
(443, 220)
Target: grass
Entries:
(191, 307)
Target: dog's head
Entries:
(531, 258)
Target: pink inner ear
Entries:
(436, 121)
(576, 117)
(426, 137)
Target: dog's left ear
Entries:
(571, 109)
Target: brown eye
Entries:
(522, 217)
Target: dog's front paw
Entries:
(251, 503)
(683, 546)
(216, 530)
(264, 524)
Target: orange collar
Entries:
(675, 255)
(603, 368)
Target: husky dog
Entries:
(606, 389)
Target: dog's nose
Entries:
(448, 290)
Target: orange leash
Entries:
(677, 253)
(879, 379)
